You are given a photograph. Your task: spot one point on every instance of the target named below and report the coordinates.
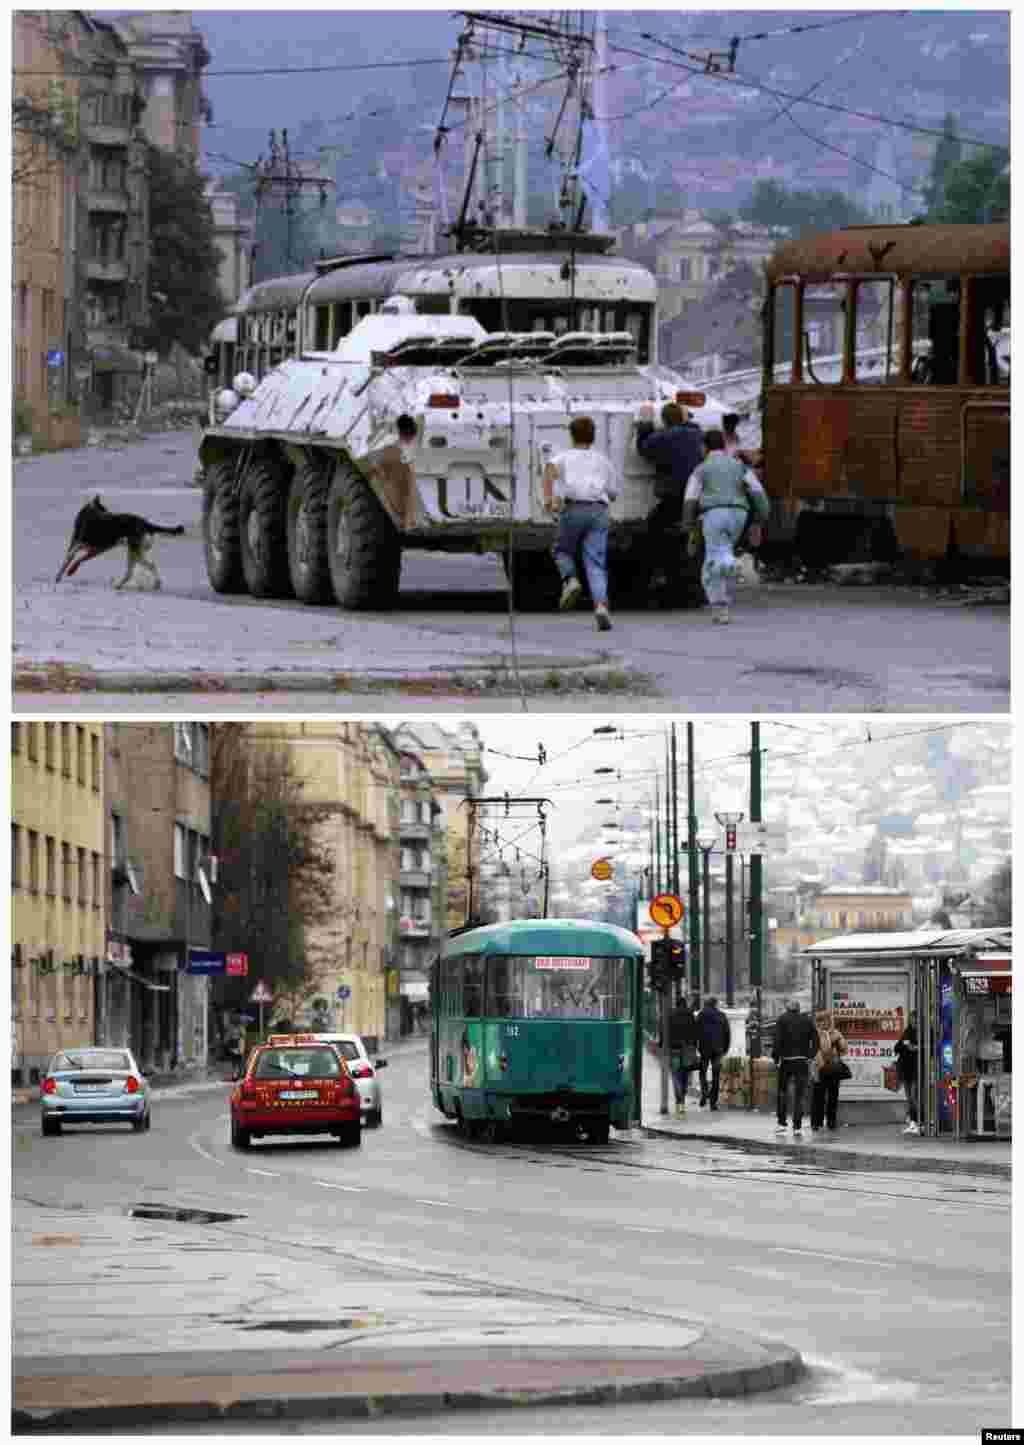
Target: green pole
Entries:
(692, 870)
(756, 876)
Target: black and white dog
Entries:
(98, 530)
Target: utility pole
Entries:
(756, 880)
(729, 821)
(279, 176)
(691, 848)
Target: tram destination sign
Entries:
(577, 965)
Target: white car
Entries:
(364, 1070)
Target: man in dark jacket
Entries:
(675, 449)
(715, 1037)
(796, 1043)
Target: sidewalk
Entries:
(881, 1146)
(115, 1325)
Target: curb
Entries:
(239, 1397)
(845, 1158)
(552, 674)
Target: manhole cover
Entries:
(182, 1216)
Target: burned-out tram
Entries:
(905, 448)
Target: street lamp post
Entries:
(705, 842)
(729, 821)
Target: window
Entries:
(201, 743)
(65, 749)
(80, 776)
(32, 739)
(51, 867)
(65, 868)
(117, 841)
(95, 763)
(33, 861)
(50, 745)
(472, 988)
(83, 879)
(408, 810)
(425, 810)
(684, 268)
(506, 987)
(180, 851)
(15, 737)
(95, 880)
(183, 743)
(15, 856)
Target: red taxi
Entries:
(293, 1084)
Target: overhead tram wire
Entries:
(751, 84)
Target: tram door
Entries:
(435, 1046)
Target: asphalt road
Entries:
(896, 1288)
(791, 648)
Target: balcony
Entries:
(106, 270)
(414, 927)
(414, 832)
(414, 878)
(107, 133)
(111, 202)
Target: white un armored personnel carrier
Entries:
(420, 431)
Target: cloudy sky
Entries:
(828, 780)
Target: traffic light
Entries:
(668, 962)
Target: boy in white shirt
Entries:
(580, 485)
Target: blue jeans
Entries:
(722, 528)
(585, 522)
(795, 1070)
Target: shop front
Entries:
(955, 988)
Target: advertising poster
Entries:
(870, 1010)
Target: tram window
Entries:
(936, 323)
(875, 354)
(505, 977)
(599, 991)
(472, 988)
(785, 310)
(362, 308)
(322, 332)
(433, 305)
(824, 323)
(342, 320)
(451, 986)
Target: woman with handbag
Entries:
(830, 1071)
(683, 1044)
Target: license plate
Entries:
(297, 1095)
(80, 1087)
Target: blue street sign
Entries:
(245, 1016)
(55, 358)
(343, 991)
(201, 960)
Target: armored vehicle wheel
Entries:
(363, 550)
(261, 518)
(221, 541)
(534, 578)
(307, 536)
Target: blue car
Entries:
(91, 1085)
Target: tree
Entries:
(947, 154)
(275, 875)
(802, 212)
(184, 259)
(975, 191)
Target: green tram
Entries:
(535, 1025)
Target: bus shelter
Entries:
(957, 986)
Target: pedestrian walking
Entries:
(684, 1049)
(829, 1072)
(796, 1043)
(724, 495)
(730, 434)
(675, 449)
(905, 1054)
(580, 486)
(715, 1038)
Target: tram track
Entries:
(606, 1158)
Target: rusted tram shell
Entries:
(894, 251)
